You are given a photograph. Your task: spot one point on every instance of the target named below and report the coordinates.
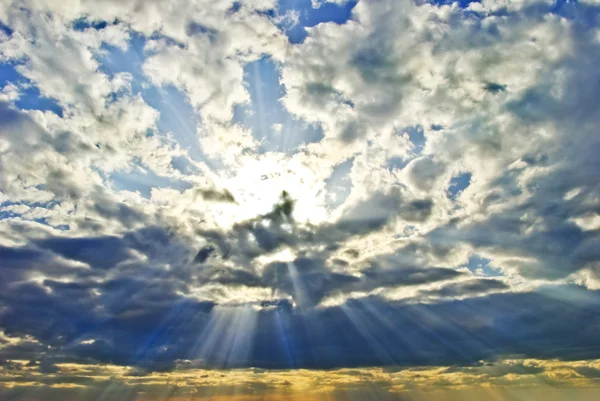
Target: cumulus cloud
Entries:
(145, 225)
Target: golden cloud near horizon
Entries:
(73, 381)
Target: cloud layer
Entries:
(336, 184)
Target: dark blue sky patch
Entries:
(47, 205)
(62, 227)
(40, 220)
(235, 7)
(82, 24)
(270, 13)
(7, 214)
(7, 30)
(4, 214)
(585, 14)
(481, 265)
(8, 74)
(458, 184)
(266, 112)
(30, 97)
(309, 16)
(177, 116)
(143, 181)
(416, 135)
(184, 166)
(113, 59)
(461, 3)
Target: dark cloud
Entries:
(142, 317)
(417, 210)
(493, 87)
(587, 371)
(110, 209)
(353, 253)
(284, 209)
(204, 254)
(217, 196)
(424, 171)
(467, 288)
(375, 332)
(60, 183)
(377, 277)
(498, 369)
(340, 262)
(266, 233)
(229, 276)
(195, 28)
(307, 280)
(101, 252)
(373, 213)
(352, 131)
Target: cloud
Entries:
(145, 228)
(480, 379)
(213, 195)
(146, 314)
(102, 252)
(466, 288)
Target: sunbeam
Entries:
(228, 339)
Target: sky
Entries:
(313, 200)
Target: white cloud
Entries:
(495, 96)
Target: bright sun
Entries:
(258, 186)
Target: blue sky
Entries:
(267, 190)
